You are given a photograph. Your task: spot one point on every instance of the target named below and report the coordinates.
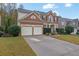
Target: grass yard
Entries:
(69, 38)
(15, 46)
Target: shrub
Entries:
(46, 30)
(14, 30)
(1, 28)
(77, 32)
(1, 33)
(60, 30)
(69, 29)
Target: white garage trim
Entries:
(38, 30)
(32, 30)
(26, 31)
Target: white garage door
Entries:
(37, 31)
(26, 30)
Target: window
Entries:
(50, 18)
(78, 24)
(55, 19)
(62, 23)
(33, 17)
(73, 23)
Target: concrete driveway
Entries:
(48, 46)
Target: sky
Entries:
(66, 10)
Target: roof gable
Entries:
(33, 13)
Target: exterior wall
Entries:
(43, 17)
(25, 25)
(59, 22)
(62, 22)
(53, 18)
(53, 23)
(20, 17)
(37, 18)
(32, 19)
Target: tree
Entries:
(2, 12)
(12, 12)
(7, 23)
(8, 9)
(69, 29)
(8, 13)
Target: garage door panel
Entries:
(26, 30)
(37, 31)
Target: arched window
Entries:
(50, 18)
(33, 17)
(55, 19)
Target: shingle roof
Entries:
(29, 11)
(66, 19)
(24, 11)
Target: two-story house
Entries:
(33, 22)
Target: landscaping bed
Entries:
(14, 46)
(69, 38)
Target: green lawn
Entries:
(69, 38)
(14, 46)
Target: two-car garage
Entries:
(32, 30)
(31, 24)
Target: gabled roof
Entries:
(66, 19)
(32, 13)
(24, 11)
(29, 11)
(41, 12)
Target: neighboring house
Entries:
(70, 22)
(33, 22)
(64, 22)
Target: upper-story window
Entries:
(62, 23)
(55, 19)
(73, 23)
(50, 18)
(78, 24)
(33, 17)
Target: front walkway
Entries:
(48, 46)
